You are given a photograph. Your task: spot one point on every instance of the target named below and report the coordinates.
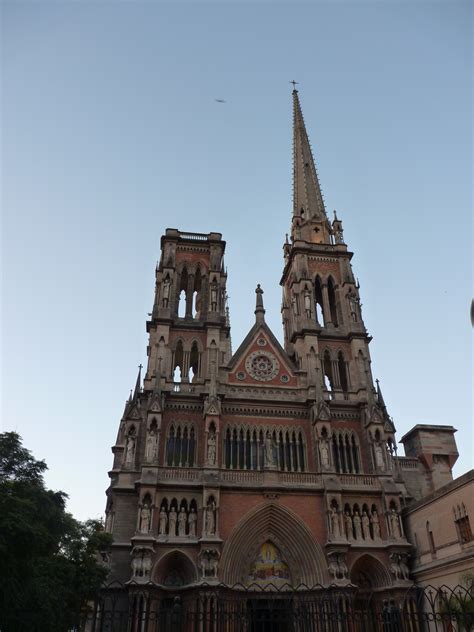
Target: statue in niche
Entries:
(324, 452)
(214, 294)
(338, 237)
(269, 459)
(211, 447)
(129, 449)
(145, 518)
(211, 517)
(182, 520)
(353, 304)
(192, 519)
(365, 525)
(374, 519)
(379, 462)
(357, 525)
(294, 305)
(163, 522)
(151, 450)
(109, 518)
(335, 526)
(307, 303)
(395, 524)
(348, 523)
(172, 521)
(141, 564)
(166, 291)
(404, 567)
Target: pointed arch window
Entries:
(318, 300)
(244, 449)
(332, 301)
(342, 367)
(182, 293)
(346, 453)
(181, 446)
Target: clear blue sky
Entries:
(111, 134)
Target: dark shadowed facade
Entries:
(266, 465)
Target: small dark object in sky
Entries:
(220, 100)
(472, 312)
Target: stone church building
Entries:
(267, 465)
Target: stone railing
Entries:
(407, 462)
(300, 478)
(241, 476)
(358, 480)
(179, 474)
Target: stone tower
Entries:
(272, 465)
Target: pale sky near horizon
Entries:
(111, 133)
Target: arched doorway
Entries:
(371, 577)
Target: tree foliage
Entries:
(50, 563)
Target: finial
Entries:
(335, 215)
(295, 83)
(259, 309)
(138, 382)
(357, 284)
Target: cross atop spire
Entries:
(308, 203)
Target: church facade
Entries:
(270, 465)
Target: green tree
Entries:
(50, 563)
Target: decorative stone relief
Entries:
(141, 563)
(208, 563)
(337, 568)
(262, 365)
(399, 567)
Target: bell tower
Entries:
(324, 331)
(189, 329)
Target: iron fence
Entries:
(222, 608)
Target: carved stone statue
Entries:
(307, 303)
(395, 524)
(192, 519)
(182, 520)
(145, 518)
(348, 524)
(357, 526)
(151, 450)
(214, 289)
(353, 304)
(338, 236)
(166, 292)
(379, 462)
(269, 459)
(294, 305)
(404, 567)
(335, 525)
(374, 519)
(365, 525)
(129, 449)
(109, 519)
(172, 521)
(211, 517)
(211, 447)
(163, 522)
(324, 452)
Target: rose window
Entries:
(262, 365)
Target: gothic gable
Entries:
(261, 360)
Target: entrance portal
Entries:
(270, 615)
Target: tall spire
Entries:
(308, 203)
